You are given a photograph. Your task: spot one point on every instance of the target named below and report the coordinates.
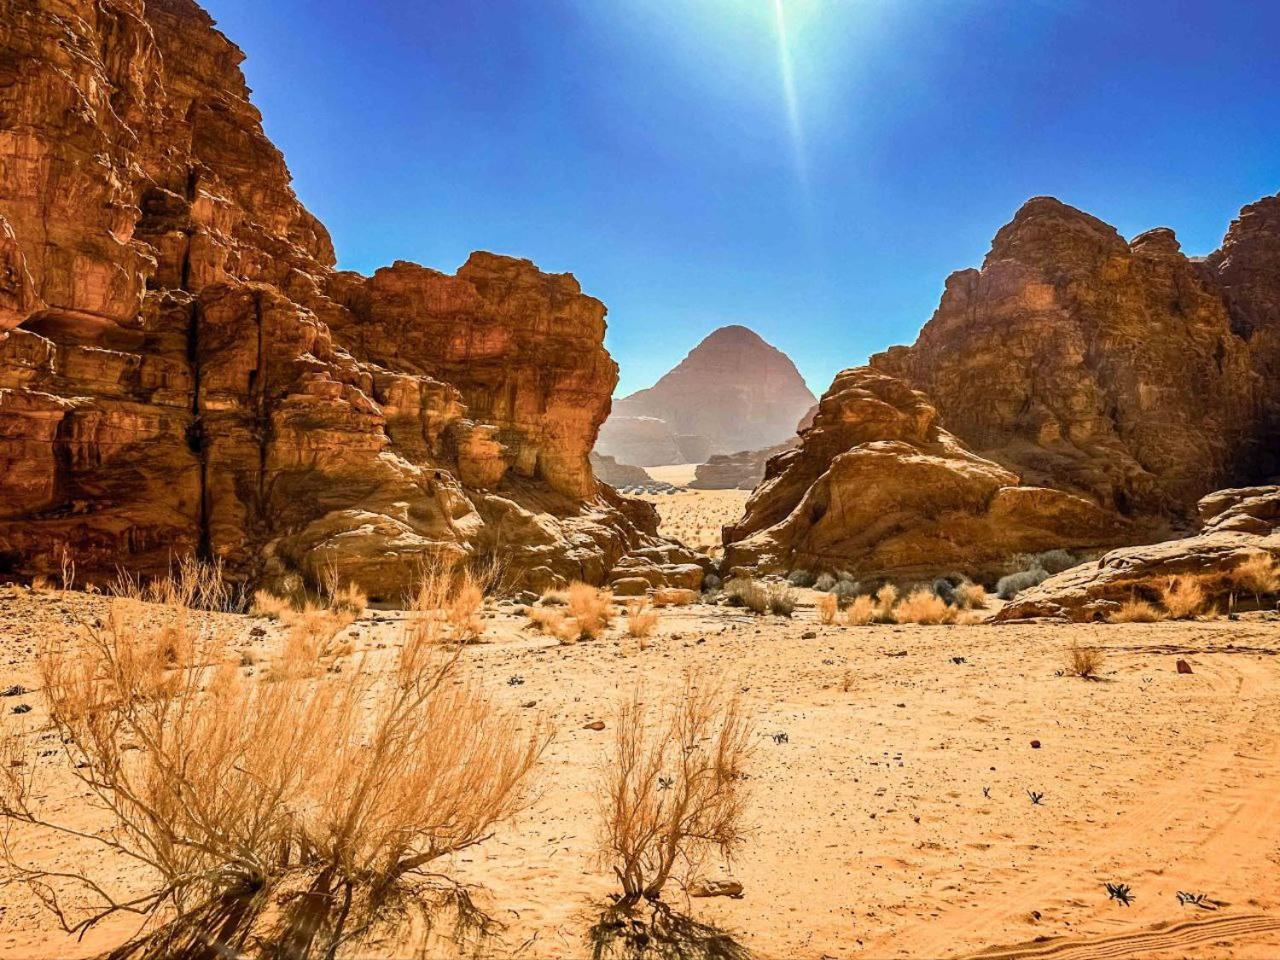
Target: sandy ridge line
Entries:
(1139, 944)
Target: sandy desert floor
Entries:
(893, 819)
(695, 517)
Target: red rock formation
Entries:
(1105, 368)
(1238, 524)
(878, 488)
(732, 392)
(181, 369)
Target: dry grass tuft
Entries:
(886, 598)
(446, 606)
(1183, 596)
(923, 606)
(229, 790)
(862, 611)
(642, 619)
(673, 789)
(268, 606)
(1084, 662)
(591, 608)
(674, 597)
(191, 583)
(1257, 575)
(545, 620)
(1136, 611)
(970, 596)
(828, 605)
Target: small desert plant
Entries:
(970, 596)
(555, 598)
(344, 598)
(923, 606)
(886, 597)
(1136, 611)
(780, 599)
(672, 789)
(745, 592)
(67, 567)
(1183, 596)
(944, 590)
(1054, 561)
(800, 578)
(1083, 662)
(1257, 575)
(1009, 587)
(711, 583)
(190, 583)
(40, 583)
(641, 618)
(845, 590)
(447, 602)
(828, 606)
(825, 582)
(545, 619)
(226, 790)
(591, 608)
(268, 606)
(862, 611)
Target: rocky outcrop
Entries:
(619, 475)
(732, 392)
(879, 489)
(1238, 524)
(183, 371)
(1106, 368)
(737, 471)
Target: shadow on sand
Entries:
(625, 933)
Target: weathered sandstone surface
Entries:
(618, 475)
(1238, 524)
(737, 471)
(1121, 371)
(878, 488)
(182, 369)
(732, 392)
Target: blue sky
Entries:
(663, 152)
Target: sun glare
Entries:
(789, 92)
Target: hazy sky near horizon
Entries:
(812, 169)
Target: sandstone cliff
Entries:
(732, 392)
(878, 488)
(1108, 368)
(182, 369)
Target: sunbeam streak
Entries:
(789, 93)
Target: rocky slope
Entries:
(1108, 368)
(1238, 524)
(183, 370)
(732, 392)
(878, 488)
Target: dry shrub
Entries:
(1136, 611)
(1084, 662)
(861, 611)
(886, 598)
(191, 583)
(545, 620)
(1183, 596)
(970, 596)
(828, 608)
(672, 789)
(67, 568)
(40, 583)
(781, 599)
(1257, 575)
(923, 606)
(555, 598)
(268, 606)
(226, 790)
(591, 608)
(446, 606)
(641, 618)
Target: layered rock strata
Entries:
(182, 370)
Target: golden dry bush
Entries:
(555, 598)
(226, 791)
(1136, 611)
(861, 611)
(268, 606)
(591, 608)
(1183, 596)
(970, 596)
(447, 603)
(886, 599)
(828, 606)
(923, 606)
(1083, 662)
(641, 618)
(545, 619)
(1258, 576)
(191, 583)
(672, 789)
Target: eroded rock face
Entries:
(182, 370)
(618, 475)
(878, 488)
(732, 392)
(1238, 523)
(737, 471)
(1106, 368)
